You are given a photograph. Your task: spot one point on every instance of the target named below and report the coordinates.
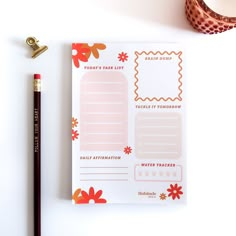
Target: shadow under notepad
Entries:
(164, 12)
(65, 174)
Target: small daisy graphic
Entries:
(127, 150)
(74, 122)
(75, 134)
(162, 196)
(175, 191)
(123, 56)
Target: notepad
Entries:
(128, 123)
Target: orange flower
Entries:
(162, 196)
(74, 122)
(75, 134)
(174, 191)
(80, 54)
(76, 196)
(94, 49)
(91, 196)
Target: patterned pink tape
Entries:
(205, 20)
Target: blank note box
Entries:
(103, 111)
(158, 76)
(158, 135)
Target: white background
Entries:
(211, 126)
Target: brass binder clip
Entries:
(37, 50)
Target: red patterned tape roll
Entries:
(205, 20)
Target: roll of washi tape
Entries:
(206, 20)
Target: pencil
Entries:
(37, 157)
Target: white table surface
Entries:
(211, 128)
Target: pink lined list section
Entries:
(103, 111)
(158, 135)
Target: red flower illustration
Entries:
(174, 191)
(91, 197)
(122, 56)
(74, 122)
(127, 150)
(80, 54)
(75, 134)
